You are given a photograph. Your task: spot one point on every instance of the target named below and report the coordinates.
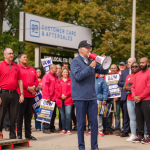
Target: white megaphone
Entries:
(104, 61)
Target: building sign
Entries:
(57, 59)
(49, 32)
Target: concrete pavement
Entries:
(56, 141)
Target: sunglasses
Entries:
(134, 66)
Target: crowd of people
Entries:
(76, 92)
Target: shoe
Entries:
(118, 133)
(59, 129)
(68, 132)
(74, 129)
(1, 135)
(19, 137)
(46, 131)
(31, 137)
(131, 138)
(89, 133)
(101, 133)
(108, 132)
(63, 132)
(146, 140)
(53, 130)
(124, 134)
(138, 139)
(38, 129)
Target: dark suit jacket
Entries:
(121, 83)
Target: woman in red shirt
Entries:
(130, 101)
(30, 82)
(64, 100)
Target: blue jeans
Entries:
(65, 112)
(117, 116)
(132, 116)
(37, 123)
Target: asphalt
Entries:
(57, 141)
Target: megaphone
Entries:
(104, 61)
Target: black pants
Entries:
(25, 109)
(6, 120)
(10, 101)
(142, 110)
(73, 115)
(51, 126)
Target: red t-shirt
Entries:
(9, 76)
(129, 79)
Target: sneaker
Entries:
(131, 138)
(146, 140)
(138, 139)
(1, 135)
(89, 133)
(68, 132)
(38, 129)
(63, 132)
(46, 131)
(101, 133)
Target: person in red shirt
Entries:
(64, 100)
(141, 94)
(10, 80)
(130, 101)
(30, 82)
(48, 93)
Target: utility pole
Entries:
(133, 29)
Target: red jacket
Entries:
(29, 78)
(63, 88)
(48, 86)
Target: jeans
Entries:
(132, 116)
(117, 116)
(37, 123)
(65, 112)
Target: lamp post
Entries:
(133, 29)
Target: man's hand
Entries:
(93, 64)
(0, 101)
(39, 87)
(63, 97)
(115, 99)
(136, 99)
(21, 99)
(48, 100)
(104, 102)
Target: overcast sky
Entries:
(5, 26)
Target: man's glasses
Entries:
(134, 66)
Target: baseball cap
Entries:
(85, 43)
(122, 63)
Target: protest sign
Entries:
(103, 110)
(37, 100)
(45, 111)
(46, 62)
(114, 89)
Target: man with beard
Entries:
(141, 94)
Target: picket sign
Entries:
(46, 62)
(45, 111)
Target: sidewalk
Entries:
(56, 141)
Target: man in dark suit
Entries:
(126, 121)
